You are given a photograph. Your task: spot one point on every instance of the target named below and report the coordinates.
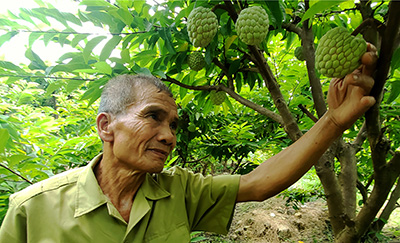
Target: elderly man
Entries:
(123, 195)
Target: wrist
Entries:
(330, 122)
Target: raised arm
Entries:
(347, 100)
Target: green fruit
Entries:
(202, 25)
(252, 25)
(339, 53)
(196, 61)
(217, 98)
(299, 54)
(192, 127)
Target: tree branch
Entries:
(383, 65)
(307, 37)
(363, 191)
(361, 136)
(387, 211)
(50, 77)
(16, 173)
(263, 111)
(309, 114)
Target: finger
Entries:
(361, 80)
(371, 48)
(367, 102)
(369, 60)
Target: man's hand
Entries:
(348, 97)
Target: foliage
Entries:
(48, 109)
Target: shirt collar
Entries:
(152, 189)
(89, 195)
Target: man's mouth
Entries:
(159, 151)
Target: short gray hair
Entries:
(120, 92)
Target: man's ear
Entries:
(104, 129)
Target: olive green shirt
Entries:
(71, 207)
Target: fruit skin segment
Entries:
(202, 25)
(252, 25)
(196, 61)
(299, 53)
(217, 97)
(339, 53)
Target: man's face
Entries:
(144, 135)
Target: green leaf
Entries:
(62, 39)
(75, 41)
(276, 11)
(11, 66)
(13, 24)
(16, 158)
(229, 42)
(40, 14)
(125, 55)
(7, 37)
(90, 46)
(102, 5)
(320, 7)
(73, 85)
(165, 34)
(48, 36)
(70, 67)
(94, 91)
(71, 18)
(25, 15)
(4, 136)
(52, 87)
(234, 67)
(103, 67)
(395, 63)
(138, 5)
(394, 92)
(144, 71)
(36, 61)
(125, 16)
(57, 15)
(33, 37)
(109, 47)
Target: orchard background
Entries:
(48, 108)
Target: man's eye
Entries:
(174, 125)
(154, 116)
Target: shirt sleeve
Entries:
(13, 228)
(210, 201)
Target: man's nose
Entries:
(166, 134)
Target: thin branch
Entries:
(361, 136)
(262, 110)
(293, 28)
(16, 173)
(76, 33)
(50, 77)
(308, 113)
(363, 191)
(383, 65)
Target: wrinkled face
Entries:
(144, 135)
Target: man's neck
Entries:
(119, 184)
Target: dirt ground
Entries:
(274, 221)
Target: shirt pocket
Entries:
(177, 235)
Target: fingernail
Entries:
(355, 77)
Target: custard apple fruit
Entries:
(202, 25)
(217, 98)
(196, 61)
(299, 53)
(339, 53)
(252, 25)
